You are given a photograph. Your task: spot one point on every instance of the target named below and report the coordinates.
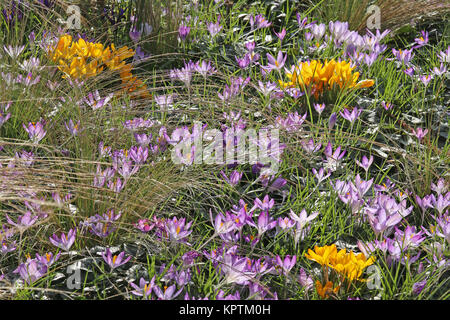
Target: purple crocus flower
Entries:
(418, 287)
(244, 62)
(440, 187)
(183, 32)
(3, 115)
(260, 21)
(286, 264)
(13, 52)
(24, 221)
(409, 71)
(144, 289)
(386, 105)
(319, 107)
(302, 219)
(385, 213)
(143, 139)
(403, 56)
(144, 225)
(48, 259)
(236, 269)
(420, 133)
(138, 154)
(425, 79)
(94, 100)
(221, 224)
(214, 28)
(164, 101)
(281, 35)
(310, 147)
(423, 40)
(266, 204)
(74, 129)
(234, 179)
(439, 71)
(320, 174)
(64, 242)
(35, 131)
(444, 56)
(365, 163)
(168, 293)
(303, 23)
(332, 121)
(351, 116)
(177, 229)
(278, 63)
(31, 270)
(116, 260)
(265, 223)
(441, 202)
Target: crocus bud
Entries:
(332, 120)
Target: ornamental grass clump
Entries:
(317, 76)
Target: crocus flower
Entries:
(332, 121)
(386, 105)
(260, 21)
(320, 174)
(24, 221)
(168, 293)
(116, 260)
(420, 133)
(48, 259)
(74, 129)
(266, 204)
(177, 229)
(305, 281)
(418, 287)
(31, 270)
(281, 35)
(310, 147)
(205, 68)
(94, 100)
(365, 163)
(319, 107)
(385, 213)
(144, 289)
(350, 116)
(35, 131)
(265, 223)
(286, 264)
(234, 179)
(403, 56)
(244, 62)
(277, 63)
(440, 187)
(13, 52)
(441, 202)
(64, 242)
(425, 79)
(183, 31)
(3, 115)
(439, 71)
(302, 219)
(409, 71)
(423, 40)
(444, 56)
(214, 28)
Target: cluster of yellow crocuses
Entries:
(317, 76)
(82, 59)
(346, 264)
